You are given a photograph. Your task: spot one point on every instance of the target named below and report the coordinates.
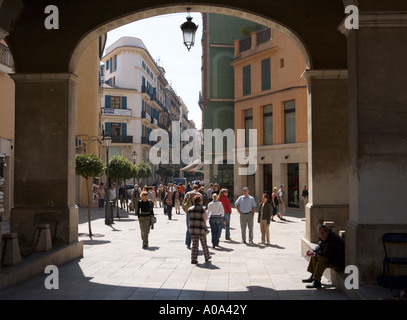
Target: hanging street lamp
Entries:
(188, 31)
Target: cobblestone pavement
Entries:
(115, 266)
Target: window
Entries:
(115, 63)
(115, 102)
(265, 74)
(281, 63)
(248, 124)
(289, 121)
(247, 89)
(268, 125)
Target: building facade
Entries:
(217, 97)
(136, 99)
(7, 104)
(271, 97)
(88, 129)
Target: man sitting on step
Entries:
(329, 253)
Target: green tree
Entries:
(120, 168)
(88, 166)
(144, 170)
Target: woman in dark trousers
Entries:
(169, 201)
(145, 213)
(274, 202)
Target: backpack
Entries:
(187, 203)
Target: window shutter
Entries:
(111, 65)
(124, 129)
(115, 62)
(246, 80)
(108, 128)
(265, 74)
(124, 102)
(107, 102)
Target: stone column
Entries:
(259, 183)
(280, 175)
(44, 181)
(328, 149)
(378, 137)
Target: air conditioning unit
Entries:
(78, 142)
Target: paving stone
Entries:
(116, 267)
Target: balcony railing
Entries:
(5, 56)
(122, 139)
(245, 44)
(116, 112)
(146, 140)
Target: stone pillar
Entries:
(259, 183)
(44, 181)
(239, 181)
(378, 137)
(280, 175)
(328, 149)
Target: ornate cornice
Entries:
(377, 20)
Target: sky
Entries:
(162, 36)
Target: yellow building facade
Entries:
(271, 97)
(88, 132)
(7, 117)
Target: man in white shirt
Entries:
(246, 206)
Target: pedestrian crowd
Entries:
(211, 206)
(214, 207)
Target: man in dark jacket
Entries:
(329, 253)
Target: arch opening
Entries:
(94, 34)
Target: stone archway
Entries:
(45, 105)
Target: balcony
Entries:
(5, 58)
(116, 112)
(122, 139)
(146, 140)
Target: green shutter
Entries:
(107, 102)
(124, 129)
(124, 102)
(265, 74)
(108, 129)
(247, 80)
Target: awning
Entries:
(196, 165)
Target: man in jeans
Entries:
(246, 206)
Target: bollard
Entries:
(10, 250)
(43, 240)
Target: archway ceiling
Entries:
(38, 50)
